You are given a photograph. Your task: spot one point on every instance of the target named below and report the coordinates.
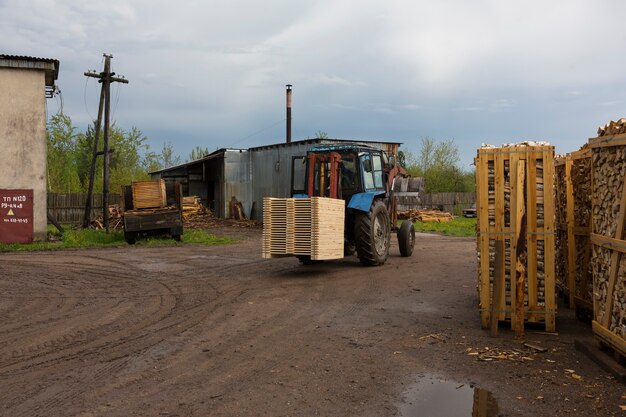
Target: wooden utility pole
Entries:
(106, 77)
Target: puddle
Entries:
(435, 397)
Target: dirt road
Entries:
(218, 331)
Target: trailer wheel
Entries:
(372, 232)
(406, 238)
(130, 237)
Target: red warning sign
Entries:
(16, 216)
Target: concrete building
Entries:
(25, 83)
(248, 174)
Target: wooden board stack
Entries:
(609, 239)
(573, 192)
(426, 216)
(303, 226)
(515, 210)
(149, 194)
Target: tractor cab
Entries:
(363, 176)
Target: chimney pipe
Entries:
(288, 113)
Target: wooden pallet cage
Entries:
(608, 239)
(573, 193)
(149, 194)
(303, 226)
(515, 209)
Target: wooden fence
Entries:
(449, 202)
(69, 208)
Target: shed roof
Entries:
(48, 65)
(215, 154)
(319, 140)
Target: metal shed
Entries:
(248, 175)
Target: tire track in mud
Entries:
(177, 313)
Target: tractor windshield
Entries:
(372, 171)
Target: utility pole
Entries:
(105, 78)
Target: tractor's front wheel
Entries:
(372, 232)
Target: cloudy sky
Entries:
(213, 73)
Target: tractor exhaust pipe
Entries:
(288, 113)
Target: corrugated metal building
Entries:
(248, 175)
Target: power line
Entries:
(257, 132)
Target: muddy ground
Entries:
(218, 331)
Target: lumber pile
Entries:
(149, 194)
(192, 207)
(613, 128)
(303, 227)
(426, 216)
(115, 219)
(515, 210)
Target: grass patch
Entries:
(460, 227)
(89, 238)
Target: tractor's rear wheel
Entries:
(406, 238)
(372, 232)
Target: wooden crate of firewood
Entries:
(515, 210)
(573, 226)
(608, 238)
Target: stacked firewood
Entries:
(115, 219)
(613, 128)
(426, 216)
(497, 194)
(581, 180)
(561, 238)
(193, 207)
(609, 169)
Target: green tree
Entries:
(62, 138)
(70, 156)
(168, 157)
(438, 163)
(197, 153)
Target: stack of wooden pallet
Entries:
(303, 227)
(515, 210)
(149, 194)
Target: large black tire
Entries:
(372, 233)
(406, 238)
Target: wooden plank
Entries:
(482, 209)
(516, 198)
(608, 337)
(498, 282)
(610, 243)
(518, 275)
(571, 242)
(549, 245)
(607, 141)
(602, 359)
(531, 229)
(499, 216)
(615, 258)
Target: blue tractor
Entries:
(364, 177)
